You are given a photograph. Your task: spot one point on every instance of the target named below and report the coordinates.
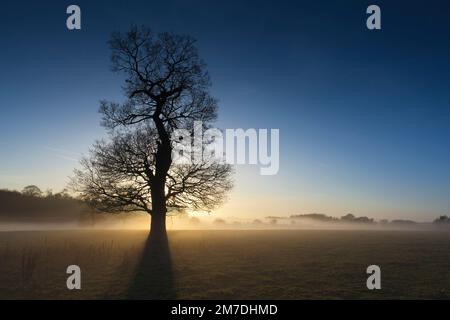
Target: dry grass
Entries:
(225, 264)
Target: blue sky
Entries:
(364, 116)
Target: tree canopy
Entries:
(166, 88)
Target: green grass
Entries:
(295, 264)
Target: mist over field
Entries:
(141, 222)
(206, 256)
(233, 264)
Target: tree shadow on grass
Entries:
(153, 277)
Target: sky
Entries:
(364, 116)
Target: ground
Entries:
(263, 264)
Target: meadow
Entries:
(229, 264)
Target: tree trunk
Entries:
(163, 161)
(158, 225)
(159, 210)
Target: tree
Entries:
(257, 221)
(166, 88)
(442, 219)
(348, 217)
(32, 191)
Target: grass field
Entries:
(296, 264)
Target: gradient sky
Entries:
(364, 116)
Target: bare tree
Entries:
(167, 88)
(32, 191)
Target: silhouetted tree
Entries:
(314, 216)
(32, 191)
(442, 220)
(48, 193)
(348, 217)
(351, 218)
(167, 88)
(257, 221)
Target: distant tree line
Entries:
(324, 218)
(350, 218)
(442, 220)
(32, 205)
